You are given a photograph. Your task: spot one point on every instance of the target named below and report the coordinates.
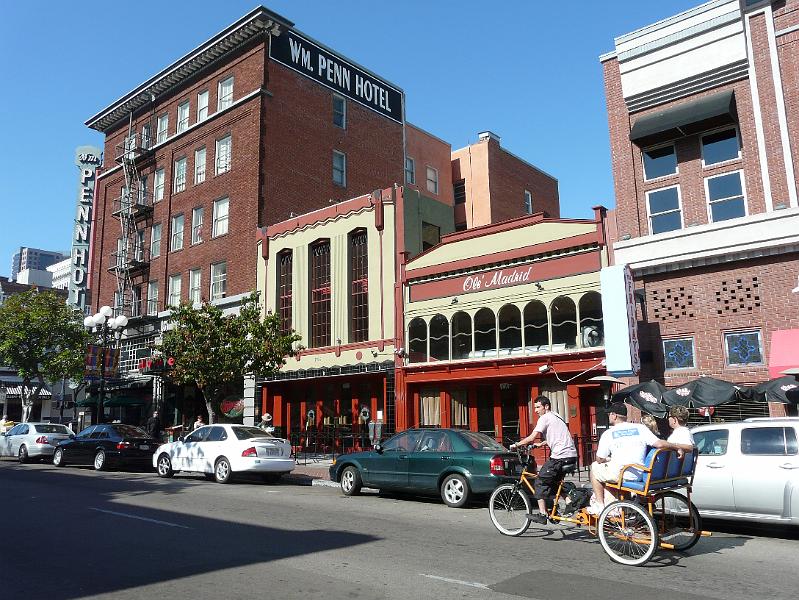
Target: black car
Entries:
(107, 445)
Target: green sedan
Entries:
(455, 463)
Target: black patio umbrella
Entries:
(782, 389)
(646, 396)
(705, 391)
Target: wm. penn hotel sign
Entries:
(87, 159)
(331, 70)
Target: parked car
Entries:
(222, 450)
(455, 463)
(748, 470)
(105, 446)
(32, 440)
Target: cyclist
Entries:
(552, 431)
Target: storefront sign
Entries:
(87, 159)
(622, 350)
(331, 70)
(496, 279)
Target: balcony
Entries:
(137, 204)
(133, 147)
(130, 261)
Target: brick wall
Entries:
(427, 150)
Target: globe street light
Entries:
(108, 328)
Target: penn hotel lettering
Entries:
(87, 163)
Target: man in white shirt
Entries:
(680, 437)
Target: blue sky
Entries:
(526, 70)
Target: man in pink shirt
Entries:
(552, 431)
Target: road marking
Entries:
(119, 514)
(474, 584)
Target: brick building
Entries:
(703, 111)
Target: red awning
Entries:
(784, 352)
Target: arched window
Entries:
(417, 340)
(592, 329)
(439, 338)
(461, 335)
(510, 329)
(536, 327)
(564, 324)
(485, 332)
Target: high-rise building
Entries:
(34, 258)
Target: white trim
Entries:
(758, 115)
(786, 31)
(708, 201)
(657, 147)
(679, 203)
(702, 136)
(779, 98)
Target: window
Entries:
(429, 408)
(664, 210)
(220, 225)
(339, 169)
(720, 147)
(432, 180)
(174, 290)
(138, 248)
(410, 171)
(339, 111)
(202, 106)
(431, 235)
(223, 149)
(180, 175)
(194, 286)
(217, 434)
(135, 308)
(659, 162)
(183, 116)
(159, 186)
(197, 225)
(152, 298)
(218, 280)
(459, 187)
(403, 442)
(225, 97)
(176, 241)
(145, 136)
(320, 295)
(162, 126)
(142, 199)
(359, 287)
(679, 353)
(284, 290)
(199, 165)
(725, 197)
(155, 241)
(528, 202)
(743, 348)
(773, 441)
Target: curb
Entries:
(324, 483)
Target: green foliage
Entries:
(42, 338)
(213, 350)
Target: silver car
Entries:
(748, 470)
(29, 441)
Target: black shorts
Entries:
(550, 475)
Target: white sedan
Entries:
(219, 451)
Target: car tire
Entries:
(455, 491)
(271, 477)
(100, 461)
(163, 466)
(351, 481)
(222, 470)
(22, 455)
(58, 457)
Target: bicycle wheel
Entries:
(627, 533)
(509, 507)
(679, 523)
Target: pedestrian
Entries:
(198, 423)
(680, 434)
(266, 423)
(652, 423)
(154, 427)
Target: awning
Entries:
(125, 401)
(784, 352)
(15, 391)
(685, 119)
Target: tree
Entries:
(43, 339)
(213, 350)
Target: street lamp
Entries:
(108, 328)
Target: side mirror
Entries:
(180, 438)
(378, 448)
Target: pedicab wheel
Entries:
(508, 508)
(627, 533)
(678, 520)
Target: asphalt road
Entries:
(74, 533)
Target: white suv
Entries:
(748, 470)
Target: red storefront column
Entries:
(524, 411)
(497, 397)
(472, 395)
(444, 403)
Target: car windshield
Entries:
(52, 429)
(130, 431)
(480, 441)
(246, 433)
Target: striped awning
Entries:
(15, 391)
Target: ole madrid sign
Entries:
(495, 279)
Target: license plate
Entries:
(144, 447)
(272, 452)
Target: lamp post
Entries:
(108, 328)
